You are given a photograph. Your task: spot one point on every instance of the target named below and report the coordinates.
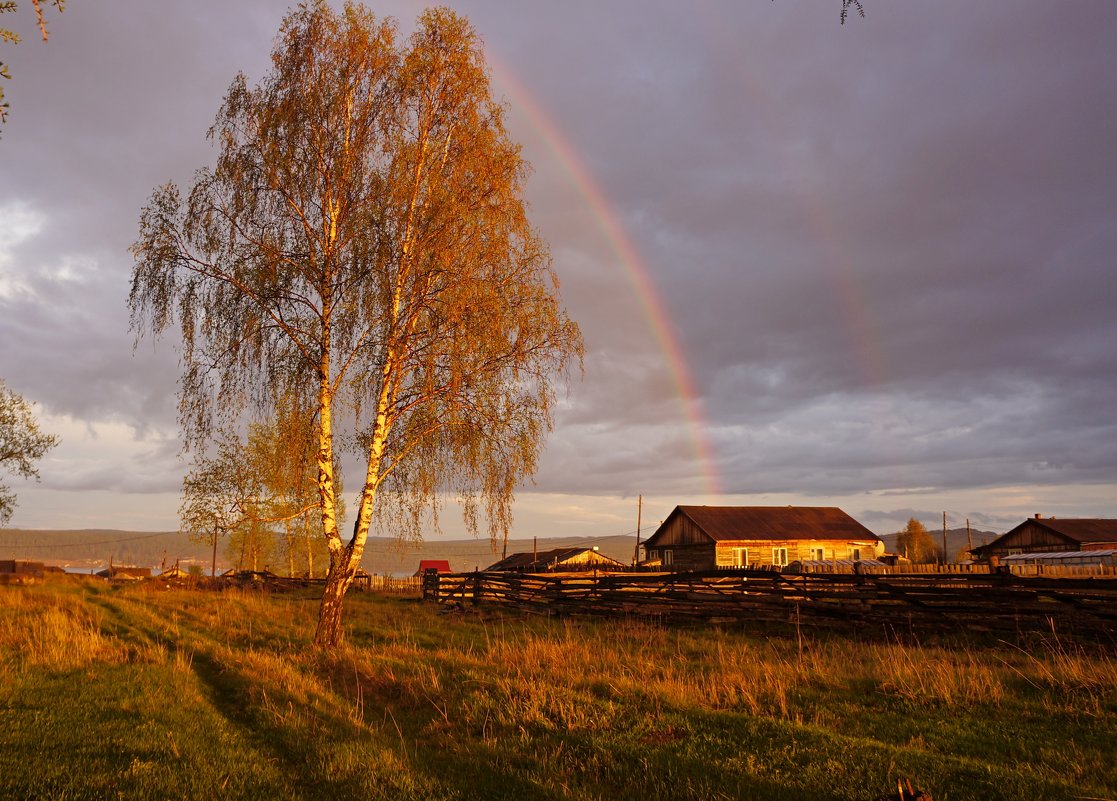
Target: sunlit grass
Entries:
(157, 694)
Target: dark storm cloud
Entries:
(886, 248)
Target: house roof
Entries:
(1082, 530)
(125, 571)
(722, 523)
(441, 565)
(530, 561)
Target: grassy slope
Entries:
(137, 694)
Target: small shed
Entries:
(1052, 535)
(710, 537)
(438, 565)
(18, 571)
(21, 567)
(125, 573)
(557, 559)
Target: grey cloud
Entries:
(886, 248)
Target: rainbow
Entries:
(634, 267)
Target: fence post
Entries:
(430, 583)
(476, 587)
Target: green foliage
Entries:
(21, 444)
(246, 489)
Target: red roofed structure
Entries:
(441, 565)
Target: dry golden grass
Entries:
(417, 700)
(59, 632)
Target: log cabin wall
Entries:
(681, 530)
(699, 556)
(1032, 537)
(762, 553)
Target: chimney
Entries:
(1039, 516)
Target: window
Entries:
(667, 558)
(817, 554)
(779, 557)
(855, 555)
(741, 557)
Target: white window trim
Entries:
(779, 554)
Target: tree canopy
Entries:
(241, 487)
(916, 542)
(362, 246)
(21, 444)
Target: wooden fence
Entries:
(975, 601)
(1015, 568)
(403, 585)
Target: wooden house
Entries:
(709, 537)
(1052, 535)
(558, 559)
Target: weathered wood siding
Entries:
(590, 558)
(685, 557)
(760, 552)
(1032, 538)
(681, 530)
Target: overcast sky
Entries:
(885, 251)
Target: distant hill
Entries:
(93, 547)
(85, 548)
(955, 539)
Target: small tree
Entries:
(243, 487)
(21, 445)
(363, 245)
(219, 492)
(916, 542)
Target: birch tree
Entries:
(362, 244)
(22, 443)
(9, 36)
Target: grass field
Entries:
(139, 693)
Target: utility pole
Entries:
(639, 510)
(534, 551)
(969, 537)
(213, 564)
(944, 538)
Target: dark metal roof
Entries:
(772, 523)
(1081, 530)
